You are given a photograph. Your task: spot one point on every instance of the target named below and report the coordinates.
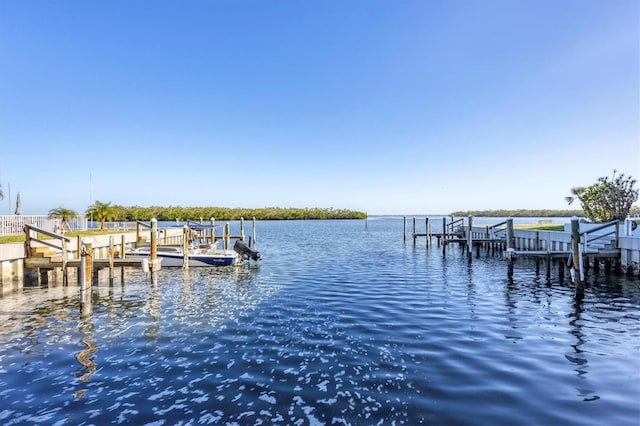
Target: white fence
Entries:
(14, 224)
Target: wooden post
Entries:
(426, 231)
(444, 234)
(137, 234)
(414, 231)
(122, 255)
(112, 254)
(213, 232)
(487, 244)
(548, 265)
(509, 252)
(509, 233)
(154, 241)
(254, 232)
(82, 273)
(123, 244)
(470, 240)
(576, 264)
(85, 287)
(27, 241)
(88, 253)
(404, 228)
(65, 255)
(537, 247)
(227, 236)
(241, 229)
(185, 247)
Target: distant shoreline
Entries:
(519, 213)
(500, 213)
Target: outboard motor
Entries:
(245, 252)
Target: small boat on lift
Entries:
(199, 255)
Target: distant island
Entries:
(519, 213)
(121, 213)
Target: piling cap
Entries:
(574, 218)
(87, 240)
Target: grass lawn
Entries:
(541, 227)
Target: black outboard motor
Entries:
(245, 252)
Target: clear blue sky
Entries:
(389, 107)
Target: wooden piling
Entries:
(509, 247)
(509, 233)
(185, 247)
(576, 264)
(414, 231)
(154, 243)
(65, 258)
(112, 254)
(537, 248)
(253, 229)
(85, 284)
(123, 255)
(548, 265)
(227, 236)
(404, 228)
(444, 234)
(470, 240)
(213, 231)
(87, 244)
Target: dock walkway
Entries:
(612, 244)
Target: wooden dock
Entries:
(579, 250)
(49, 259)
(51, 263)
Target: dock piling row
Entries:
(574, 250)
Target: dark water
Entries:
(338, 325)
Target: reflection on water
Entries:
(85, 357)
(338, 325)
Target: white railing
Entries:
(14, 224)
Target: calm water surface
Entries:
(338, 325)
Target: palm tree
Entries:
(578, 194)
(102, 212)
(64, 214)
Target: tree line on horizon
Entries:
(106, 212)
(519, 213)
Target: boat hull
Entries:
(223, 259)
(176, 259)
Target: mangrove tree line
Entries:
(110, 213)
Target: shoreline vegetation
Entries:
(519, 213)
(171, 213)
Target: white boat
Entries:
(200, 255)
